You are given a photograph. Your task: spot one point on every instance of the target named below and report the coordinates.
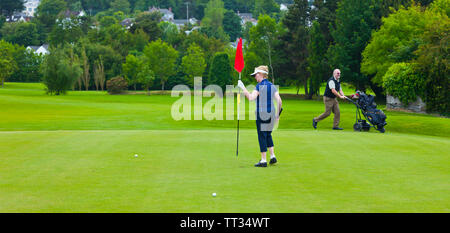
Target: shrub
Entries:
(116, 85)
(402, 81)
(59, 71)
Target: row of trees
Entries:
(301, 47)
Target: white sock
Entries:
(263, 161)
(272, 156)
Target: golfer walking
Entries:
(266, 115)
(332, 90)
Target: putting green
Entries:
(178, 170)
(75, 153)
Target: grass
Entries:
(75, 153)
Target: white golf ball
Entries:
(136, 155)
(214, 194)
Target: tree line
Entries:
(365, 39)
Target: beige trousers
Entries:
(331, 105)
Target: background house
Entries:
(30, 7)
(41, 50)
(167, 14)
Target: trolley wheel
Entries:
(357, 127)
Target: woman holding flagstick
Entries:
(266, 116)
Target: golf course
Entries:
(76, 153)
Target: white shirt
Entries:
(331, 84)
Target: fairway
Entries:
(75, 153)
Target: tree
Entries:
(75, 5)
(265, 7)
(47, 12)
(296, 41)
(324, 12)
(263, 38)
(60, 70)
(355, 21)
(232, 25)
(146, 77)
(394, 42)
(8, 7)
(7, 63)
(22, 33)
(65, 31)
(85, 75)
(169, 32)
(193, 63)
(161, 59)
(99, 74)
(111, 59)
(433, 57)
(317, 65)
(140, 5)
(138, 40)
(246, 31)
(212, 22)
(220, 72)
(209, 45)
(107, 21)
(28, 63)
(214, 14)
(120, 5)
(131, 68)
(148, 22)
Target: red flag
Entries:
(239, 59)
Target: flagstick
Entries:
(238, 101)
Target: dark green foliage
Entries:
(148, 22)
(317, 65)
(209, 45)
(265, 7)
(433, 62)
(60, 70)
(116, 85)
(161, 59)
(107, 21)
(2, 22)
(232, 25)
(47, 12)
(120, 5)
(21, 33)
(355, 21)
(7, 63)
(220, 72)
(324, 12)
(296, 41)
(65, 30)
(393, 42)
(28, 64)
(8, 7)
(112, 60)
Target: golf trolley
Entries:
(373, 117)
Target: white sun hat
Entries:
(261, 69)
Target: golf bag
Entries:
(366, 106)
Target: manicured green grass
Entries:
(75, 153)
(31, 109)
(347, 89)
(178, 170)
